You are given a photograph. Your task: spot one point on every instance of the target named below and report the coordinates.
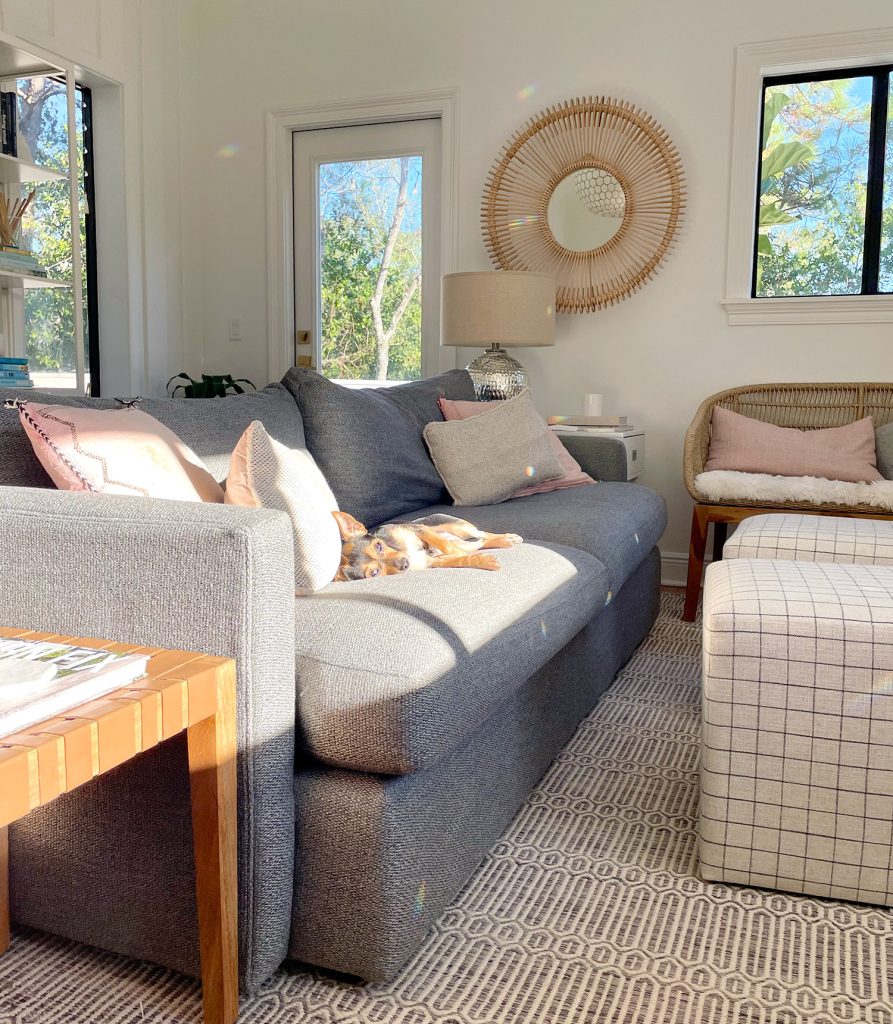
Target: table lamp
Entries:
(500, 309)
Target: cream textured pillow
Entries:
(752, 446)
(485, 459)
(265, 474)
(572, 473)
(115, 451)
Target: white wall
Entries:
(128, 51)
(654, 356)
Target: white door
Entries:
(367, 229)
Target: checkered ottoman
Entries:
(813, 539)
(797, 748)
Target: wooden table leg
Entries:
(4, 889)
(720, 536)
(697, 547)
(212, 775)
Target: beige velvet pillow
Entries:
(572, 473)
(751, 446)
(485, 459)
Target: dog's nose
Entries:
(403, 564)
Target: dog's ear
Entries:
(348, 526)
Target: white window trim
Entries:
(754, 62)
(280, 124)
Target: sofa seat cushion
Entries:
(619, 523)
(393, 672)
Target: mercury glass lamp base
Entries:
(497, 376)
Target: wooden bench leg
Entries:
(720, 536)
(212, 779)
(4, 889)
(698, 545)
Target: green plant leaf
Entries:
(774, 105)
(784, 155)
(772, 213)
(764, 244)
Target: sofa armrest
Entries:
(211, 578)
(602, 456)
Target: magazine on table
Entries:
(41, 679)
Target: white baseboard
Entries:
(674, 568)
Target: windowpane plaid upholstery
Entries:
(813, 539)
(797, 755)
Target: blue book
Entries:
(16, 384)
(14, 360)
(14, 374)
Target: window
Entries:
(367, 253)
(48, 314)
(824, 212)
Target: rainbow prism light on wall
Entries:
(498, 309)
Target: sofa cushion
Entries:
(211, 427)
(393, 672)
(368, 441)
(619, 523)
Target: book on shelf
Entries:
(40, 679)
(13, 374)
(587, 421)
(8, 382)
(565, 428)
(6, 362)
(8, 123)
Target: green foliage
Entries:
(358, 211)
(812, 192)
(49, 312)
(210, 386)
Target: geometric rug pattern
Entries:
(588, 910)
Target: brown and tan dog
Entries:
(433, 542)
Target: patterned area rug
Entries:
(589, 910)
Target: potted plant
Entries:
(210, 386)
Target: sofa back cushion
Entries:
(368, 441)
(211, 427)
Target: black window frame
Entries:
(90, 259)
(881, 75)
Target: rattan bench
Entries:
(806, 406)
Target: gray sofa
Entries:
(389, 729)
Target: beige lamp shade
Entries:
(504, 307)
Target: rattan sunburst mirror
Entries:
(591, 191)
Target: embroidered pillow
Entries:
(487, 458)
(573, 474)
(115, 451)
(752, 446)
(266, 474)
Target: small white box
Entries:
(634, 443)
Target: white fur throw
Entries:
(726, 485)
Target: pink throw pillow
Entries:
(752, 446)
(573, 474)
(115, 451)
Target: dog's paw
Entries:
(513, 539)
(487, 562)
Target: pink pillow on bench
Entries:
(115, 451)
(573, 474)
(752, 446)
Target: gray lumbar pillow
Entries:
(883, 443)
(368, 441)
(267, 474)
(486, 458)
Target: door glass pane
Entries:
(885, 281)
(813, 177)
(46, 229)
(370, 222)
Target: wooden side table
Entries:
(181, 692)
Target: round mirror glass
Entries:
(586, 209)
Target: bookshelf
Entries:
(18, 176)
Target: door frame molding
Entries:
(281, 123)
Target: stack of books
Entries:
(14, 373)
(20, 261)
(591, 424)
